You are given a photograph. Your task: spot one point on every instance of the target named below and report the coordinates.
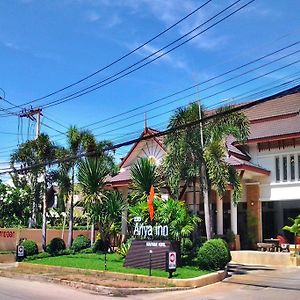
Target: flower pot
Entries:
(292, 248)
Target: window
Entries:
(284, 166)
(277, 168)
(292, 163)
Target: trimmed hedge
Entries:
(80, 243)
(213, 255)
(55, 246)
(30, 247)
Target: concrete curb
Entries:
(180, 284)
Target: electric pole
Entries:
(30, 114)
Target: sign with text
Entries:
(138, 254)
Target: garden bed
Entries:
(114, 264)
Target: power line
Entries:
(196, 85)
(95, 86)
(218, 92)
(165, 132)
(127, 54)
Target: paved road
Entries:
(277, 284)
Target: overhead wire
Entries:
(162, 133)
(97, 86)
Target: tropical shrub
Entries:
(213, 255)
(30, 247)
(99, 246)
(124, 248)
(37, 256)
(55, 246)
(80, 242)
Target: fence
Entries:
(9, 237)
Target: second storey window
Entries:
(284, 166)
(277, 168)
(292, 163)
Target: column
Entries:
(233, 216)
(219, 205)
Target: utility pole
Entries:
(30, 114)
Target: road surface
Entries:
(273, 285)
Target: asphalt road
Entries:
(278, 284)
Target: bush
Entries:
(87, 251)
(124, 248)
(55, 246)
(213, 255)
(37, 256)
(66, 252)
(30, 247)
(98, 246)
(81, 242)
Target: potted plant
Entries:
(230, 237)
(295, 229)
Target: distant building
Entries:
(269, 166)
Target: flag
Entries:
(150, 203)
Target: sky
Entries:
(46, 45)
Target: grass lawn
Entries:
(114, 264)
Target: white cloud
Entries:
(113, 21)
(92, 16)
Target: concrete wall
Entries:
(9, 237)
(270, 190)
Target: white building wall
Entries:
(270, 189)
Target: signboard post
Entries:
(170, 262)
(20, 253)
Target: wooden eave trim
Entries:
(253, 169)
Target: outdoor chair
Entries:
(283, 243)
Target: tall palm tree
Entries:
(35, 154)
(187, 159)
(78, 141)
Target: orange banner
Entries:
(150, 203)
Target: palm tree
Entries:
(103, 208)
(35, 154)
(78, 141)
(187, 158)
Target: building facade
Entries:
(269, 168)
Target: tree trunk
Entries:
(70, 234)
(207, 218)
(92, 233)
(44, 226)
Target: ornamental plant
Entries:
(30, 247)
(213, 255)
(295, 227)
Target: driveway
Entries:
(245, 283)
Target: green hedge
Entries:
(81, 242)
(55, 246)
(213, 255)
(30, 247)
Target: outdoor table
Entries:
(274, 242)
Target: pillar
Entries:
(254, 211)
(233, 216)
(219, 205)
